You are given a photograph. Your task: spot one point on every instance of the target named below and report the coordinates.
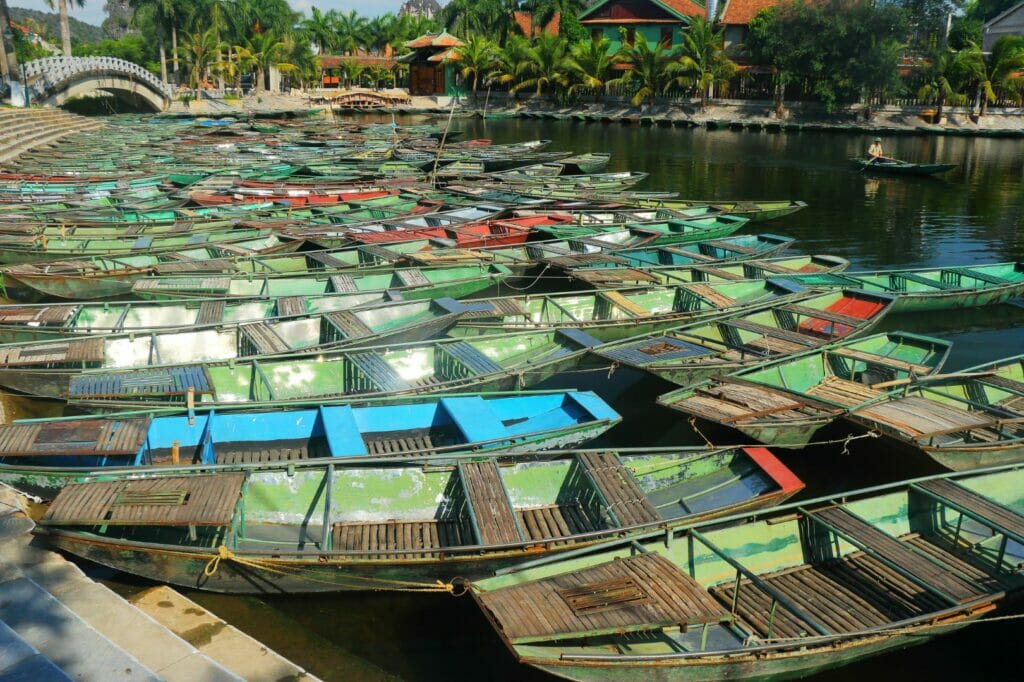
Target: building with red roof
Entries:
(735, 15)
(431, 65)
(657, 21)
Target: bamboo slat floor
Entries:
(1001, 516)
(624, 497)
(495, 519)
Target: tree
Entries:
(8, 58)
(160, 12)
(943, 78)
(653, 70)
(351, 70)
(319, 28)
(591, 64)
(544, 68)
(703, 58)
(511, 61)
(476, 57)
(351, 29)
(199, 52)
(263, 51)
(1002, 71)
(65, 29)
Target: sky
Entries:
(93, 12)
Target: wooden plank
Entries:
(494, 516)
(625, 498)
(997, 514)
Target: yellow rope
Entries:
(223, 553)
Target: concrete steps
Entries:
(22, 130)
(22, 662)
(82, 627)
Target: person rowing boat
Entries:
(876, 153)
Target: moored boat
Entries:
(897, 167)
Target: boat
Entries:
(754, 211)
(398, 523)
(494, 362)
(929, 289)
(602, 273)
(706, 349)
(40, 456)
(782, 594)
(671, 231)
(969, 419)
(785, 402)
(897, 167)
(407, 283)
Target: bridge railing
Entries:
(49, 72)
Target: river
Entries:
(970, 215)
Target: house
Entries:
(1010, 22)
(431, 65)
(331, 66)
(735, 16)
(656, 21)
(526, 23)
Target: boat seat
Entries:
(343, 284)
(423, 536)
(411, 277)
(46, 316)
(291, 306)
(421, 444)
(369, 372)
(872, 358)
(100, 437)
(460, 360)
(325, 259)
(263, 452)
(259, 338)
(773, 332)
(725, 246)
(622, 495)
(657, 349)
(341, 431)
(826, 315)
(348, 324)
(948, 274)
(475, 419)
(496, 522)
(378, 253)
(997, 516)
(1002, 382)
(893, 551)
(624, 304)
(550, 521)
(192, 285)
(160, 382)
(706, 271)
(899, 281)
(84, 351)
(211, 312)
(843, 391)
(755, 269)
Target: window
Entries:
(666, 36)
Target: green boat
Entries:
(971, 419)
(928, 289)
(784, 403)
(407, 283)
(897, 167)
(800, 589)
(402, 524)
(754, 211)
(661, 233)
(711, 348)
(602, 273)
(497, 362)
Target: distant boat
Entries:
(897, 167)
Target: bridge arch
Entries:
(53, 80)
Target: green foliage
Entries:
(544, 66)
(1001, 72)
(983, 10)
(476, 58)
(590, 65)
(703, 58)
(653, 70)
(964, 31)
(25, 49)
(48, 24)
(133, 48)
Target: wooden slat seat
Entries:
(200, 500)
(727, 246)
(772, 332)
(823, 315)
(864, 356)
(411, 277)
(50, 315)
(87, 351)
(625, 500)
(1003, 382)
(716, 298)
(551, 521)
(624, 304)
(343, 284)
(918, 416)
(261, 452)
(374, 369)
(734, 403)
(172, 381)
(1000, 516)
(884, 546)
(291, 306)
(380, 253)
(409, 445)
(713, 272)
(644, 592)
(101, 437)
(349, 324)
(424, 537)
(843, 391)
(495, 520)
(325, 259)
(599, 276)
(207, 285)
(211, 312)
(262, 338)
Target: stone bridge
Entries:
(52, 80)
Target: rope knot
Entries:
(213, 564)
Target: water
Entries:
(970, 215)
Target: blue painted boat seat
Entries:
(475, 418)
(343, 435)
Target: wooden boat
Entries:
(897, 167)
(495, 362)
(927, 289)
(783, 403)
(469, 235)
(816, 585)
(703, 350)
(409, 283)
(754, 211)
(601, 273)
(660, 233)
(400, 524)
(962, 421)
(40, 456)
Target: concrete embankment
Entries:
(56, 623)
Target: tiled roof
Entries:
(683, 9)
(687, 8)
(442, 39)
(742, 11)
(330, 61)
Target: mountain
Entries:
(49, 22)
(420, 8)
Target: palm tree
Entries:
(703, 58)
(264, 50)
(320, 29)
(8, 57)
(943, 80)
(65, 28)
(591, 64)
(351, 70)
(199, 52)
(545, 65)
(1002, 71)
(476, 57)
(161, 11)
(351, 29)
(652, 70)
